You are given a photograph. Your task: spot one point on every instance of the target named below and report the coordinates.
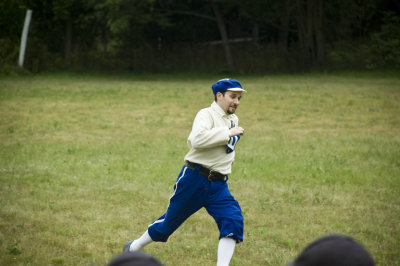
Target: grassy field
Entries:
(87, 162)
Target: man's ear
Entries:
(219, 95)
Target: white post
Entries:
(24, 37)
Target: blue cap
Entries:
(226, 85)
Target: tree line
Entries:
(244, 36)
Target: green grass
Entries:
(87, 162)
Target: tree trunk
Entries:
(310, 48)
(310, 32)
(284, 30)
(256, 35)
(68, 42)
(319, 33)
(224, 36)
(104, 41)
(301, 32)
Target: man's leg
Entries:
(226, 247)
(227, 213)
(138, 244)
(188, 197)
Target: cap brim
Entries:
(236, 89)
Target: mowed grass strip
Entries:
(87, 162)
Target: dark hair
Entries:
(137, 258)
(215, 96)
(334, 250)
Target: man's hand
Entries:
(236, 131)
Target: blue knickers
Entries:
(193, 191)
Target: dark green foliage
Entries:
(384, 50)
(163, 36)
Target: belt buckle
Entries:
(210, 175)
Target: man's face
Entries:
(230, 101)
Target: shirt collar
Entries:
(219, 110)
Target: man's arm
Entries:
(204, 135)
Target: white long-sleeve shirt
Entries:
(208, 139)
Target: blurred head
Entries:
(334, 250)
(137, 258)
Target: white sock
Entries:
(226, 247)
(139, 243)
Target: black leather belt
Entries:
(211, 175)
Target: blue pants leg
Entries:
(225, 210)
(188, 197)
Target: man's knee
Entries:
(232, 228)
(157, 235)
